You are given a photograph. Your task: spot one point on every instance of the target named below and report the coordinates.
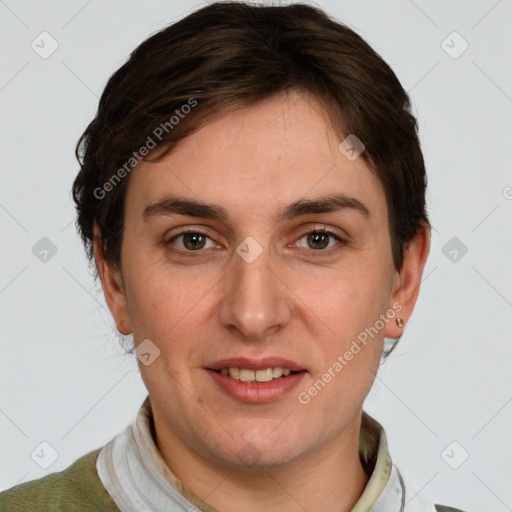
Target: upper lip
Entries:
(255, 364)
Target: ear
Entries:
(406, 283)
(113, 287)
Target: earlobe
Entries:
(113, 286)
(121, 327)
(406, 285)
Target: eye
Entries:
(320, 239)
(191, 241)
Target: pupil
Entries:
(318, 237)
(193, 241)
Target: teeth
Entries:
(234, 373)
(264, 375)
(277, 372)
(246, 375)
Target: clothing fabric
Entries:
(129, 474)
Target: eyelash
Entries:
(319, 252)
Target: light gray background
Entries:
(63, 377)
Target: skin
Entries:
(293, 301)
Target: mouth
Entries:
(256, 376)
(256, 380)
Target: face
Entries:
(254, 287)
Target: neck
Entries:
(331, 478)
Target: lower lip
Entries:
(257, 392)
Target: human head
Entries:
(212, 89)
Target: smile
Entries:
(265, 375)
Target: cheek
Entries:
(355, 296)
(160, 300)
(352, 307)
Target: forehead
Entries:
(257, 160)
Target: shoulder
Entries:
(76, 488)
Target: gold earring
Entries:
(399, 322)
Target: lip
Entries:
(257, 392)
(255, 364)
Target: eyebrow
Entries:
(172, 205)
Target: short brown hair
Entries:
(228, 55)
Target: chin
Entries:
(263, 450)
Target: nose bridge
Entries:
(254, 299)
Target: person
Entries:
(252, 193)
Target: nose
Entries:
(255, 301)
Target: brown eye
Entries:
(193, 241)
(190, 241)
(320, 239)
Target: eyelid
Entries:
(201, 230)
